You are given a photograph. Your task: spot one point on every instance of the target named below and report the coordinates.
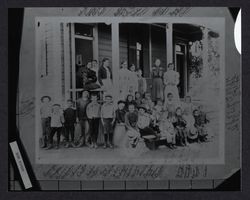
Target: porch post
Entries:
(169, 43)
(205, 51)
(115, 58)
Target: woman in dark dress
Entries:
(157, 81)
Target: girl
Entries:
(167, 129)
(124, 76)
(157, 78)
(129, 100)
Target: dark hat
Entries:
(121, 101)
(43, 97)
(143, 106)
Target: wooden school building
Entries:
(62, 44)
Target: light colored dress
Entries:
(188, 117)
(124, 75)
(142, 85)
(133, 83)
(167, 130)
(171, 80)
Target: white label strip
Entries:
(20, 165)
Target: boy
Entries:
(200, 123)
(120, 113)
(70, 120)
(57, 120)
(93, 113)
(180, 125)
(108, 119)
(81, 106)
(45, 113)
(132, 131)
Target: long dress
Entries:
(133, 83)
(157, 83)
(171, 80)
(119, 132)
(123, 83)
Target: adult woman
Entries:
(157, 81)
(133, 80)
(105, 76)
(171, 80)
(124, 74)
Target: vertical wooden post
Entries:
(169, 42)
(205, 51)
(73, 60)
(95, 43)
(115, 58)
(150, 51)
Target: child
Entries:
(169, 104)
(129, 100)
(57, 120)
(93, 113)
(147, 101)
(167, 129)
(200, 123)
(70, 120)
(142, 84)
(108, 119)
(188, 107)
(157, 110)
(144, 121)
(138, 100)
(180, 125)
(81, 106)
(132, 130)
(45, 113)
(119, 132)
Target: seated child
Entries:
(57, 121)
(167, 129)
(70, 121)
(147, 101)
(93, 113)
(188, 107)
(108, 120)
(169, 104)
(129, 100)
(144, 121)
(138, 99)
(132, 130)
(180, 126)
(200, 123)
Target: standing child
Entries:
(82, 119)
(70, 121)
(108, 119)
(45, 113)
(170, 104)
(180, 125)
(93, 113)
(119, 133)
(57, 120)
(167, 129)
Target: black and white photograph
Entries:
(129, 94)
(130, 90)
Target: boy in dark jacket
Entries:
(70, 120)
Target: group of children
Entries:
(176, 123)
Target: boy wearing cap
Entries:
(108, 119)
(57, 121)
(93, 113)
(45, 113)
